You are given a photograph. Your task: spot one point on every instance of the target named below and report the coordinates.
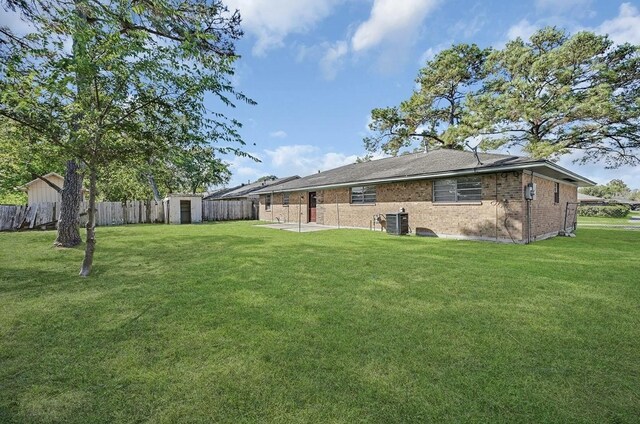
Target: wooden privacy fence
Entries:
(122, 213)
(39, 215)
(229, 210)
(46, 214)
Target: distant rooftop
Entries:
(244, 190)
(588, 198)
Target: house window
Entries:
(556, 193)
(464, 189)
(285, 199)
(267, 202)
(364, 194)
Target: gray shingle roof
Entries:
(247, 189)
(416, 165)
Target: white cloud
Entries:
(332, 59)
(272, 20)
(391, 19)
(334, 160)
(304, 159)
(296, 153)
(243, 169)
(625, 28)
(278, 134)
(522, 29)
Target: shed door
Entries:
(312, 206)
(185, 211)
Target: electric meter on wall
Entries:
(530, 191)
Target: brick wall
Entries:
(282, 213)
(547, 216)
(500, 215)
(484, 219)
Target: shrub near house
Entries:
(608, 211)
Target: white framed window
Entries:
(267, 202)
(463, 189)
(285, 199)
(363, 194)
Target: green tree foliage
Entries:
(132, 86)
(551, 95)
(179, 171)
(435, 110)
(614, 188)
(556, 94)
(607, 211)
(21, 162)
(266, 178)
(193, 170)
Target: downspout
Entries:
(337, 209)
(529, 223)
(497, 203)
(300, 213)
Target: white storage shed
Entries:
(182, 208)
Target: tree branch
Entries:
(49, 183)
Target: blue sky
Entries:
(318, 67)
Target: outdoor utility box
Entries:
(398, 223)
(530, 191)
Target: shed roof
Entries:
(433, 164)
(170, 195)
(49, 175)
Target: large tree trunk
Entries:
(91, 227)
(68, 225)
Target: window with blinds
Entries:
(364, 194)
(463, 189)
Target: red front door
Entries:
(312, 206)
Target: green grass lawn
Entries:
(236, 323)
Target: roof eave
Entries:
(587, 182)
(469, 171)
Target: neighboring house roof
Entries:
(220, 192)
(245, 190)
(624, 201)
(588, 198)
(434, 164)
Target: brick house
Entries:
(446, 193)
